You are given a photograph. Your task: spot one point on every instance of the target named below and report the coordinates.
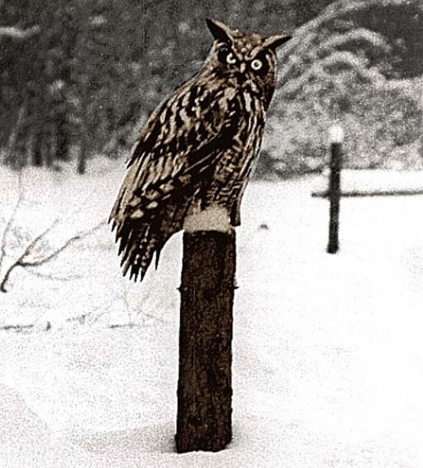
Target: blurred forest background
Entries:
(79, 77)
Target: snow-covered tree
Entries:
(337, 70)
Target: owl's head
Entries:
(247, 58)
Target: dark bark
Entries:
(83, 143)
(205, 342)
(50, 144)
(37, 157)
(82, 156)
(63, 137)
(63, 143)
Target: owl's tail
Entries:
(142, 238)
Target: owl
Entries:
(198, 147)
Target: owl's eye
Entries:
(230, 58)
(256, 64)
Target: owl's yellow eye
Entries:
(256, 64)
(230, 58)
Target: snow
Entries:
(336, 134)
(327, 348)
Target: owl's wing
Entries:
(174, 153)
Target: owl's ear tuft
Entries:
(219, 30)
(273, 42)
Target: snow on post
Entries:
(336, 136)
(204, 419)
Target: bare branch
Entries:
(6, 279)
(323, 49)
(322, 69)
(18, 33)
(36, 263)
(332, 11)
(35, 241)
(11, 219)
(23, 261)
(48, 276)
(375, 39)
(306, 35)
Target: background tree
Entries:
(81, 76)
(346, 67)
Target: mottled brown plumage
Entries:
(198, 147)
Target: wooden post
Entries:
(336, 138)
(204, 420)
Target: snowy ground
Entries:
(328, 353)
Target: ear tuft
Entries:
(273, 42)
(219, 30)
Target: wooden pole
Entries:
(204, 419)
(336, 139)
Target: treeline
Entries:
(79, 77)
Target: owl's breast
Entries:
(237, 158)
(253, 118)
(243, 112)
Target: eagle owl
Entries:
(198, 147)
